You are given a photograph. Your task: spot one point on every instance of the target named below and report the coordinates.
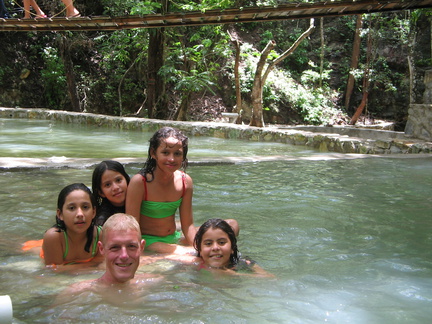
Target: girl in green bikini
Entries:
(74, 237)
(159, 189)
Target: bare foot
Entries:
(73, 14)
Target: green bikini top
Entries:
(160, 209)
(94, 246)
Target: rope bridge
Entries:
(211, 17)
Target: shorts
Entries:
(170, 239)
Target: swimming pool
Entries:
(348, 240)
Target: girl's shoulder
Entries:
(137, 177)
(53, 233)
(244, 265)
(184, 176)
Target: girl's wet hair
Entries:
(60, 225)
(215, 223)
(156, 140)
(98, 173)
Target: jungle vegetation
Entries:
(320, 71)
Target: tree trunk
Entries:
(412, 38)
(354, 61)
(366, 79)
(321, 69)
(70, 75)
(257, 88)
(238, 109)
(260, 79)
(182, 111)
(360, 108)
(155, 85)
(155, 103)
(120, 86)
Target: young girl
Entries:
(37, 9)
(74, 237)
(71, 11)
(216, 246)
(109, 186)
(159, 189)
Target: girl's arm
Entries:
(134, 196)
(260, 272)
(53, 247)
(186, 216)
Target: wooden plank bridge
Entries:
(225, 16)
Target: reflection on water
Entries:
(348, 240)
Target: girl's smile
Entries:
(216, 248)
(169, 154)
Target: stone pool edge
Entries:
(322, 141)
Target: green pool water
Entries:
(348, 240)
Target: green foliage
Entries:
(192, 63)
(130, 7)
(266, 3)
(202, 6)
(5, 70)
(266, 37)
(418, 13)
(313, 78)
(117, 51)
(299, 59)
(281, 92)
(194, 81)
(53, 77)
(198, 58)
(146, 8)
(384, 80)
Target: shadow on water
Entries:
(348, 239)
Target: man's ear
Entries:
(101, 248)
(143, 243)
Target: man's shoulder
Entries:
(81, 286)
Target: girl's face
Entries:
(169, 154)
(215, 249)
(113, 187)
(77, 212)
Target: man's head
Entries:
(121, 245)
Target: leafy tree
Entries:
(261, 74)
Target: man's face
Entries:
(122, 250)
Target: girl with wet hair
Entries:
(159, 189)
(109, 185)
(74, 237)
(156, 140)
(216, 244)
